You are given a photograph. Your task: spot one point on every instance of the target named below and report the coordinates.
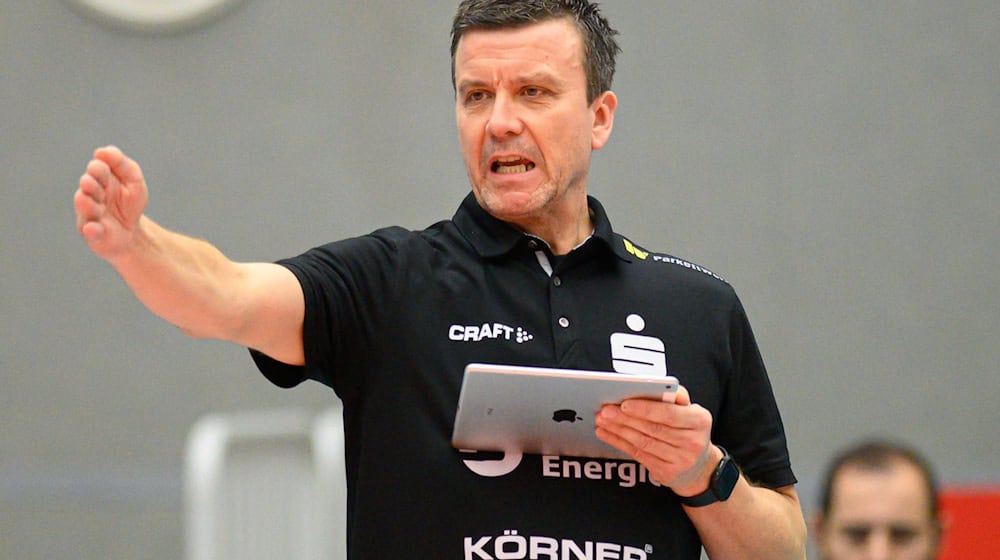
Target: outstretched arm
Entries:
(184, 280)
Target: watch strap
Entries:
(720, 487)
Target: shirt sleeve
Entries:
(749, 424)
(348, 288)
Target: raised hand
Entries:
(109, 202)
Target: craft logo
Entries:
(637, 354)
(488, 331)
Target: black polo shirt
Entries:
(393, 317)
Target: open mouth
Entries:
(511, 164)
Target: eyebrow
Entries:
(543, 78)
(540, 78)
(906, 528)
(464, 85)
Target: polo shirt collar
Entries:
(492, 237)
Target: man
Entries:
(879, 502)
(389, 320)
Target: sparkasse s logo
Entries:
(637, 354)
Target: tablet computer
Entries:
(543, 410)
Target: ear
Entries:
(603, 109)
(816, 525)
(940, 529)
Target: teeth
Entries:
(502, 165)
(512, 168)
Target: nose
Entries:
(504, 120)
(879, 547)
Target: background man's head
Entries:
(599, 45)
(879, 501)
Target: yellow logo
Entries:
(635, 250)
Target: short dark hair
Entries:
(877, 455)
(599, 45)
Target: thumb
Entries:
(683, 398)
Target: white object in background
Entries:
(157, 15)
(266, 484)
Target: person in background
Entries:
(879, 501)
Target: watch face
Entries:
(156, 15)
(726, 481)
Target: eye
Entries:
(901, 535)
(857, 535)
(475, 96)
(532, 91)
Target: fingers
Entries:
(667, 438)
(100, 175)
(111, 179)
(88, 211)
(92, 231)
(110, 155)
(662, 429)
(111, 191)
(88, 201)
(683, 397)
(639, 443)
(121, 166)
(680, 414)
(110, 169)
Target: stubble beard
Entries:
(516, 206)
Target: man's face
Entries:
(878, 515)
(525, 127)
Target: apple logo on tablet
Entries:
(565, 415)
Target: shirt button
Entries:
(556, 281)
(563, 322)
(532, 244)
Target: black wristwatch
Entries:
(720, 487)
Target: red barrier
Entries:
(972, 522)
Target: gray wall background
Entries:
(837, 162)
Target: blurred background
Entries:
(838, 163)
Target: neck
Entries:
(562, 231)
